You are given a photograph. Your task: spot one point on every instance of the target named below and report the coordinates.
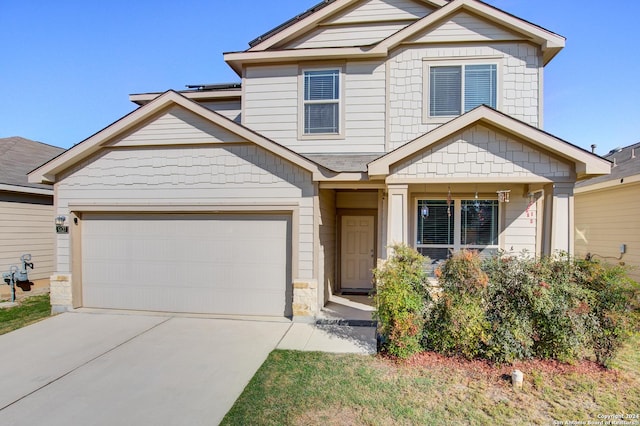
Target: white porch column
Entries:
(561, 220)
(398, 217)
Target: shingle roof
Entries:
(627, 163)
(343, 162)
(18, 156)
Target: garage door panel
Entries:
(187, 263)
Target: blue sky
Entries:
(67, 67)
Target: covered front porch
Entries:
(482, 181)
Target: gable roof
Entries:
(18, 156)
(47, 172)
(300, 24)
(551, 43)
(626, 164)
(586, 163)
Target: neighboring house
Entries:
(358, 124)
(607, 212)
(26, 209)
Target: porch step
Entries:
(347, 322)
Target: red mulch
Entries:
(433, 360)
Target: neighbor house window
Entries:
(445, 227)
(456, 89)
(321, 101)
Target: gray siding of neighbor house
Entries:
(27, 226)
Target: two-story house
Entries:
(356, 125)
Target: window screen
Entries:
(321, 101)
(445, 85)
(479, 86)
(450, 94)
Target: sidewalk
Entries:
(345, 325)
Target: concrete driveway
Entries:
(125, 368)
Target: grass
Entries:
(311, 388)
(30, 310)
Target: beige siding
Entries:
(273, 104)
(230, 109)
(328, 242)
(606, 219)
(241, 174)
(520, 223)
(271, 101)
(465, 27)
(383, 10)
(519, 77)
(483, 153)
(346, 36)
(177, 126)
(27, 227)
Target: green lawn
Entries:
(30, 310)
(309, 388)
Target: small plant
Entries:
(401, 298)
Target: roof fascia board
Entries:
(547, 40)
(237, 59)
(585, 162)
(607, 184)
(47, 172)
(145, 98)
(25, 189)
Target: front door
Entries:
(357, 253)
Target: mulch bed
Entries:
(432, 360)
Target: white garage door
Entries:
(222, 264)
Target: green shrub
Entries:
(457, 323)
(457, 326)
(401, 298)
(511, 308)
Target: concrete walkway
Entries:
(330, 338)
(106, 367)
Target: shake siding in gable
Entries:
(518, 84)
(481, 153)
(272, 105)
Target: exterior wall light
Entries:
(503, 195)
(61, 228)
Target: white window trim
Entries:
(456, 205)
(301, 103)
(443, 62)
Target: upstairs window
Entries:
(321, 101)
(456, 89)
